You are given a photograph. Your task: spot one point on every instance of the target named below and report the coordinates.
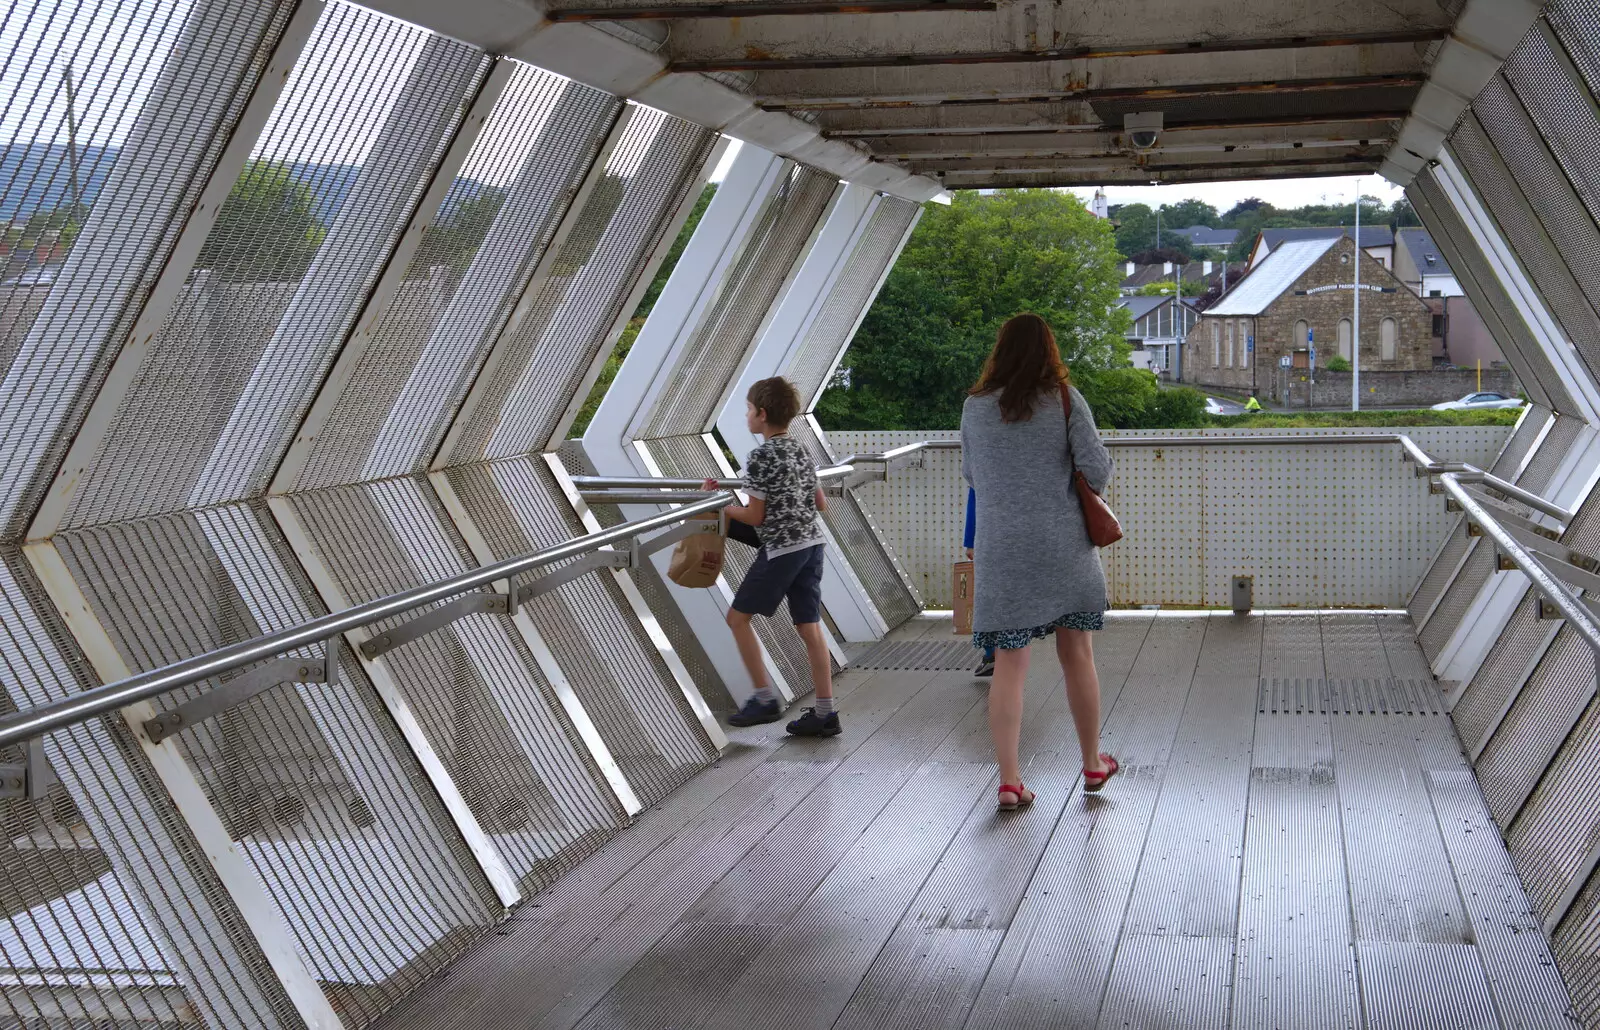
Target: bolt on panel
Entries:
(111, 175)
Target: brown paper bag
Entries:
(697, 560)
(961, 593)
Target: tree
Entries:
(459, 232)
(671, 260)
(966, 269)
(1239, 210)
(1136, 228)
(1403, 215)
(1160, 257)
(267, 229)
(1189, 212)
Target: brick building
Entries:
(1304, 288)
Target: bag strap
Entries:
(1066, 409)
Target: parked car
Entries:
(1479, 401)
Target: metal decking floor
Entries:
(1256, 865)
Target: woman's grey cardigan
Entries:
(1033, 561)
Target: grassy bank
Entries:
(1363, 419)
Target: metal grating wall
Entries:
(1576, 945)
(460, 287)
(575, 310)
(625, 686)
(313, 782)
(1489, 297)
(283, 274)
(160, 92)
(716, 351)
(112, 913)
(1503, 673)
(477, 692)
(1558, 826)
(847, 302)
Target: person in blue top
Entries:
(985, 667)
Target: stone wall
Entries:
(1292, 388)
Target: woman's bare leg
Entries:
(1005, 711)
(1075, 649)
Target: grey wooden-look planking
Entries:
(1231, 877)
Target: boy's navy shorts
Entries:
(796, 575)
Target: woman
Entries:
(1036, 573)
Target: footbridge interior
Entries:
(343, 684)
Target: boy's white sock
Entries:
(765, 695)
(824, 706)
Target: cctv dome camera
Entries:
(1143, 129)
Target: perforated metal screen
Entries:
(458, 292)
(847, 302)
(715, 352)
(1576, 945)
(625, 687)
(1556, 829)
(109, 909)
(313, 782)
(481, 699)
(1488, 295)
(1503, 672)
(575, 310)
(286, 269)
(101, 194)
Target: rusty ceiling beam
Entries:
(1091, 95)
(1065, 175)
(749, 63)
(1109, 163)
(666, 12)
(1240, 123)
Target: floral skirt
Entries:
(1013, 639)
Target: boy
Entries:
(784, 502)
(986, 666)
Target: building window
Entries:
(1438, 325)
(1345, 334)
(1229, 332)
(1302, 329)
(1216, 344)
(1389, 338)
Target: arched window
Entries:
(1345, 334)
(1389, 339)
(1302, 329)
(1216, 344)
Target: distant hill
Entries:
(37, 177)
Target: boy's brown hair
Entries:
(778, 398)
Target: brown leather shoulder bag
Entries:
(1104, 529)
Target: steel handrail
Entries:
(20, 726)
(587, 484)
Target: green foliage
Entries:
(966, 269)
(267, 229)
(1131, 398)
(1367, 419)
(1252, 215)
(604, 199)
(608, 371)
(1338, 364)
(1164, 288)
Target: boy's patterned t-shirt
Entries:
(780, 472)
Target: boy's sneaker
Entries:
(985, 668)
(813, 725)
(755, 712)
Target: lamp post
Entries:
(1355, 344)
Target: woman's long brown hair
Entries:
(1024, 364)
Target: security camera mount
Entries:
(1143, 128)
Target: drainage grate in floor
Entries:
(1350, 697)
(920, 654)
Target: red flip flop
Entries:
(1025, 797)
(1093, 781)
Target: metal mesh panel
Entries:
(1461, 592)
(1544, 713)
(1565, 117)
(575, 311)
(1488, 295)
(1576, 945)
(625, 687)
(716, 351)
(332, 181)
(1501, 673)
(110, 913)
(475, 689)
(1561, 822)
(460, 287)
(830, 334)
(866, 551)
(1262, 104)
(1439, 574)
(687, 456)
(1576, 24)
(313, 782)
(1498, 184)
(1519, 443)
(155, 94)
